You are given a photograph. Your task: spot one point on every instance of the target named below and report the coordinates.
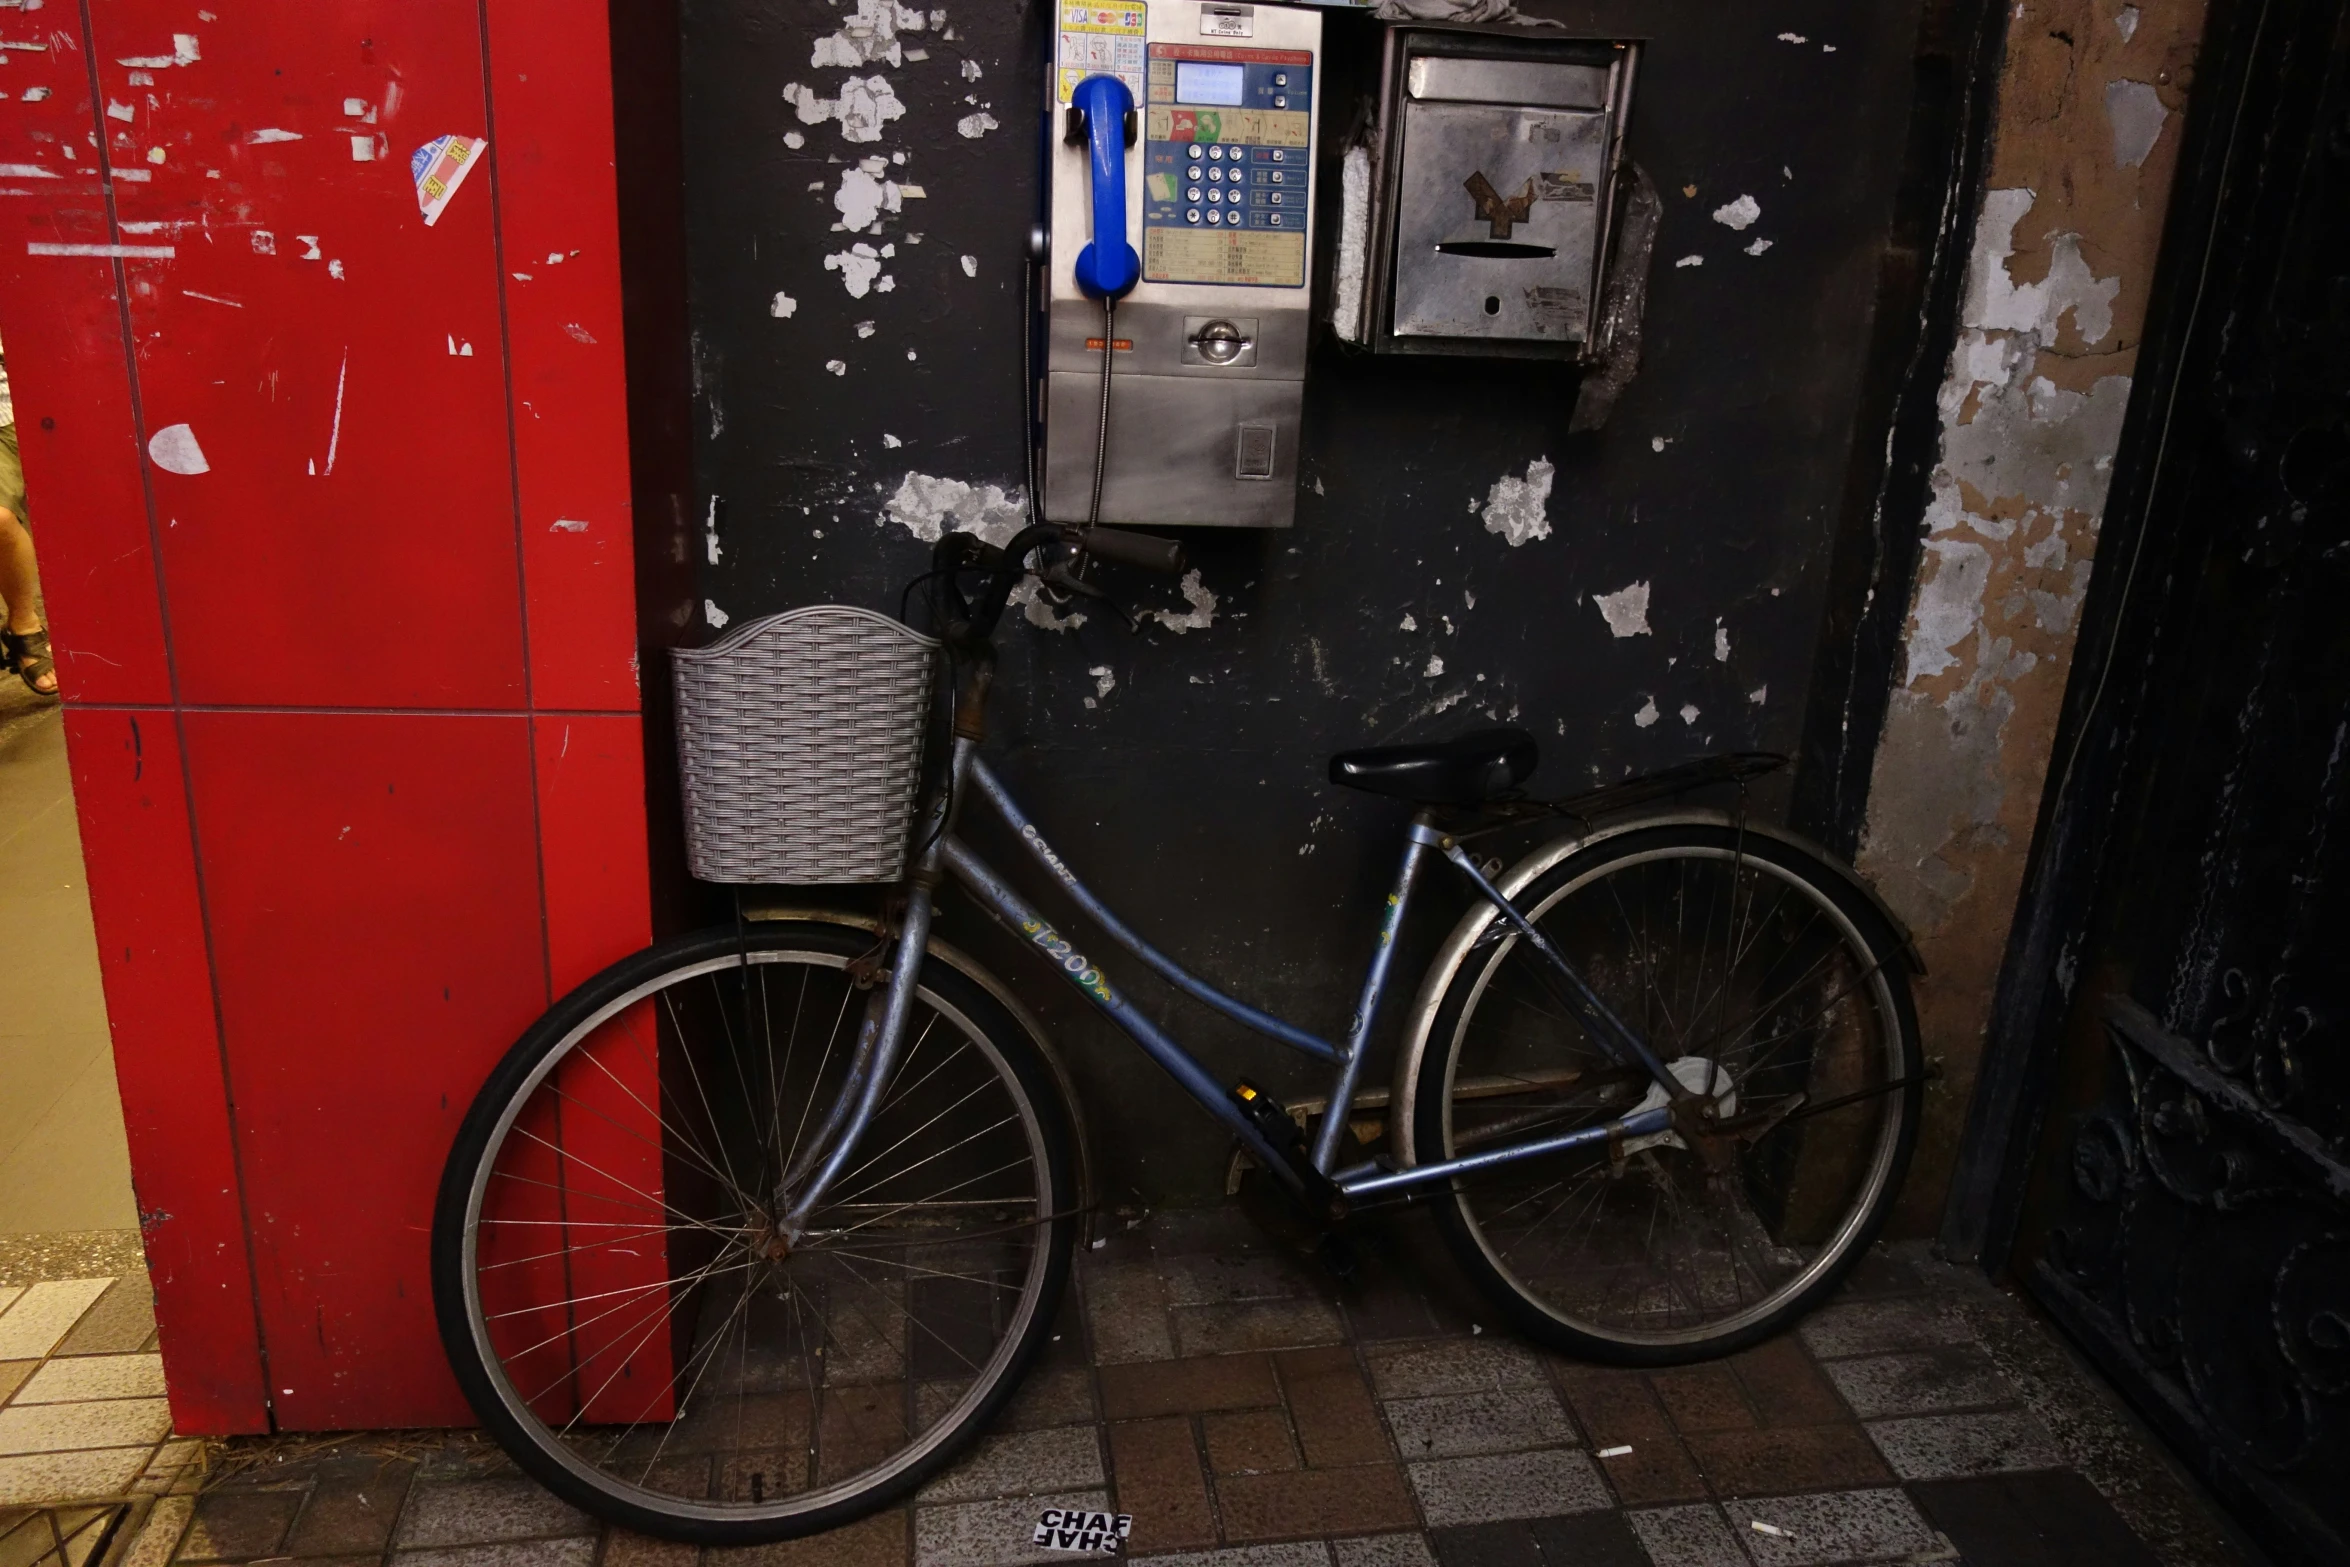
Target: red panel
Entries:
(61, 318)
(142, 877)
(351, 542)
(559, 220)
(592, 828)
(373, 886)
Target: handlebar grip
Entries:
(1132, 549)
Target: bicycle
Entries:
(1660, 1085)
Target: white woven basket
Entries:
(799, 740)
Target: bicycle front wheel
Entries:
(1774, 990)
(618, 1300)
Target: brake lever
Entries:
(1057, 575)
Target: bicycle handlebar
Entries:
(1131, 549)
(971, 621)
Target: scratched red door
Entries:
(332, 507)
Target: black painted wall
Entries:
(1181, 772)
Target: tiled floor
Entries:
(1249, 1413)
(64, 1165)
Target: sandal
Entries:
(29, 659)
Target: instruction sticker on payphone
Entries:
(1196, 422)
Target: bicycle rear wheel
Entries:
(1771, 987)
(613, 1291)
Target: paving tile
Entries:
(1126, 1313)
(1876, 1327)
(991, 1534)
(878, 1541)
(519, 1553)
(38, 1319)
(1049, 1398)
(627, 1548)
(1217, 1229)
(1687, 1537)
(1453, 1365)
(1157, 1469)
(1330, 1408)
(1296, 1553)
(119, 1324)
(1022, 1463)
(8, 1294)
(1926, 1381)
(1786, 1386)
(1255, 1324)
(1313, 1502)
(1507, 1485)
(1598, 1539)
(61, 1428)
(69, 1379)
(1170, 1387)
(14, 1374)
(2031, 1520)
(64, 1477)
(1657, 1469)
(1880, 1273)
(1452, 1425)
(1215, 1279)
(1387, 1307)
(239, 1525)
(352, 1508)
(474, 1512)
(1248, 1442)
(1838, 1526)
(1486, 1545)
(1703, 1398)
(1384, 1550)
(160, 1535)
(1941, 1447)
(1790, 1458)
(173, 1457)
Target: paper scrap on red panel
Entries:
(439, 167)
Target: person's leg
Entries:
(20, 578)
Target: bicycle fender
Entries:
(1403, 1090)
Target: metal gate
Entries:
(2175, 1019)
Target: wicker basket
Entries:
(799, 740)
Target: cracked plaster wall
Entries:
(2085, 145)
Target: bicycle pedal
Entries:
(1323, 1201)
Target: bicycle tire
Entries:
(1496, 1065)
(1020, 1265)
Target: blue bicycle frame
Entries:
(879, 1037)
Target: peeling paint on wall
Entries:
(929, 507)
(1199, 617)
(2032, 406)
(1518, 509)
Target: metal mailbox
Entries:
(1497, 189)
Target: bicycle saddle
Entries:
(1468, 769)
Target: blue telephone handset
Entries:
(1107, 268)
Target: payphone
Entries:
(1178, 261)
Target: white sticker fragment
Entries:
(1625, 610)
(120, 111)
(363, 149)
(1105, 679)
(838, 367)
(569, 525)
(794, 140)
(858, 266)
(865, 105)
(174, 450)
(1614, 1452)
(1758, 247)
(1409, 624)
(714, 615)
(1199, 617)
(1518, 509)
(970, 266)
(1647, 714)
(862, 197)
(269, 133)
(975, 126)
(1738, 214)
(1434, 668)
(782, 306)
(1690, 261)
(930, 507)
(1689, 712)
(1759, 695)
(1793, 38)
(868, 38)
(890, 441)
(1721, 643)
(120, 252)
